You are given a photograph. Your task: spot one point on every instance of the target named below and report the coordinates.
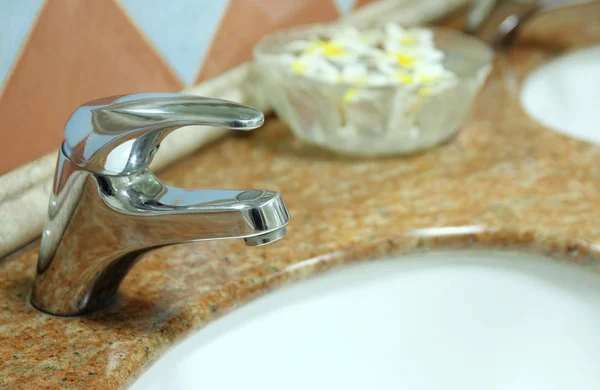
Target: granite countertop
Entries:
(507, 181)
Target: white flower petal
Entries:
(394, 30)
(296, 46)
(354, 70)
(385, 55)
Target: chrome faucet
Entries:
(107, 209)
(498, 22)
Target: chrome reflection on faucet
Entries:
(107, 208)
(498, 22)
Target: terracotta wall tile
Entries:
(80, 50)
(360, 3)
(77, 51)
(246, 21)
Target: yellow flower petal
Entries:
(350, 95)
(312, 48)
(299, 67)
(405, 78)
(408, 40)
(332, 49)
(428, 78)
(405, 60)
(329, 49)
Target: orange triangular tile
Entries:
(246, 21)
(78, 50)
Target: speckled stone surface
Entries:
(504, 181)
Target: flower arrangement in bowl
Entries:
(373, 91)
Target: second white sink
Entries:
(564, 94)
(458, 320)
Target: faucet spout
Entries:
(206, 214)
(99, 225)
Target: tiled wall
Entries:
(56, 54)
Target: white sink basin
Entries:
(458, 320)
(565, 94)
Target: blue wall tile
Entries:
(16, 19)
(344, 6)
(181, 30)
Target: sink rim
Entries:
(420, 260)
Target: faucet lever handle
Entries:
(118, 135)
